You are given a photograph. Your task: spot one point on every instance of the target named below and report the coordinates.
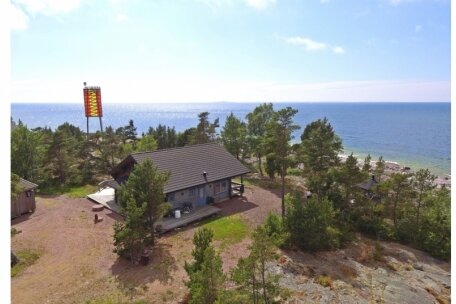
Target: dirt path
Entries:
(77, 263)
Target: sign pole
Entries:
(101, 125)
(87, 127)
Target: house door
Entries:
(201, 200)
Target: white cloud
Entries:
(48, 7)
(18, 20)
(338, 50)
(260, 4)
(312, 45)
(309, 44)
(121, 17)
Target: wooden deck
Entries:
(167, 224)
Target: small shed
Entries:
(25, 202)
(368, 188)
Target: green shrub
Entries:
(274, 228)
(312, 225)
(324, 280)
(294, 171)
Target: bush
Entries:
(294, 171)
(312, 225)
(274, 228)
(324, 280)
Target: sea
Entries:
(417, 135)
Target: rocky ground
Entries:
(398, 274)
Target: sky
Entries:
(231, 50)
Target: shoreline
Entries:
(442, 179)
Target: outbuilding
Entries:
(25, 202)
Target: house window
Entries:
(28, 193)
(220, 187)
(192, 192)
(171, 197)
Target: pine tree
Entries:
(320, 147)
(145, 186)
(257, 120)
(279, 133)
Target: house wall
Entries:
(23, 204)
(190, 195)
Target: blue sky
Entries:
(231, 50)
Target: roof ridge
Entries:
(175, 148)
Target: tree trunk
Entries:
(263, 270)
(151, 228)
(259, 164)
(283, 190)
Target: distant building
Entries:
(200, 174)
(368, 187)
(25, 202)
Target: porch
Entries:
(170, 223)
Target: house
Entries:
(199, 174)
(25, 202)
(368, 188)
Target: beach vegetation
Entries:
(367, 164)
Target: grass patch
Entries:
(73, 192)
(324, 280)
(229, 230)
(14, 231)
(26, 258)
(393, 266)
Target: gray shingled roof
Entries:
(188, 163)
(27, 185)
(369, 184)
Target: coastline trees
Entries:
(25, 152)
(233, 135)
(278, 135)
(257, 120)
(319, 151)
(423, 182)
(205, 131)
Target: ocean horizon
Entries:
(417, 135)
